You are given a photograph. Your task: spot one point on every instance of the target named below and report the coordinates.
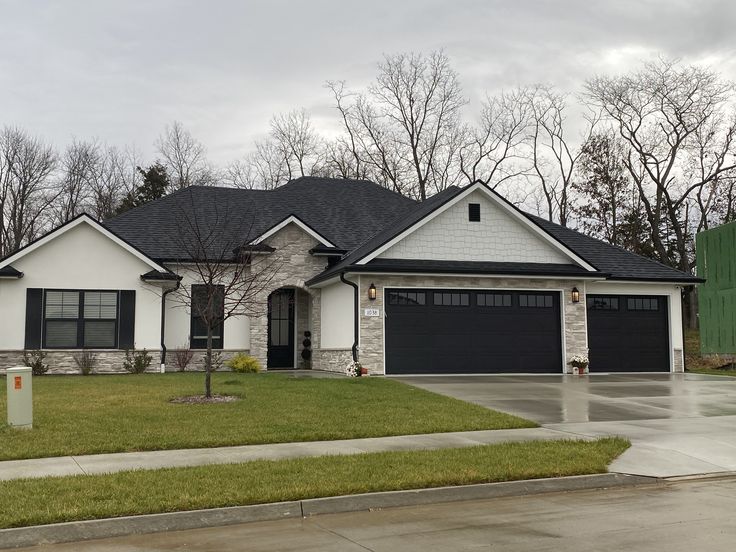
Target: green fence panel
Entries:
(716, 260)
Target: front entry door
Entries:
(281, 329)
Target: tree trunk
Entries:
(691, 308)
(208, 366)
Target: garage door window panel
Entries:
(536, 301)
(603, 303)
(418, 298)
(451, 299)
(642, 304)
(493, 299)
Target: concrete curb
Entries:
(178, 521)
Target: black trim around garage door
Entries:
(628, 333)
(462, 331)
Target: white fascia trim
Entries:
(292, 220)
(473, 275)
(498, 201)
(329, 281)
(82, 219)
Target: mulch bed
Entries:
(201, 399)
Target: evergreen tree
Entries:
(154, 186)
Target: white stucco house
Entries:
(462, 283)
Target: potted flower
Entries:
(579, 364)
(354, 369)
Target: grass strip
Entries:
(50, 500)
(76, 415)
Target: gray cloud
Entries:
(121, 70)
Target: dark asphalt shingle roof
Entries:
(344, 212)
(615, 261)
(356, 215)
(10, 272)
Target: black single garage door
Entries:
(472, 331)
(628, 333)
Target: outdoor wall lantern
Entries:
(372, 292)
(575, 295)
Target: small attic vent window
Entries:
(474, 212)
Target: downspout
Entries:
(163, 324)
(356, 317)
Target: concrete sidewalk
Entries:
(110, 463)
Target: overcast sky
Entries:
(121, 70)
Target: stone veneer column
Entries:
(292, 247)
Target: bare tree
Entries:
(115, 178)
(80, 164)
(679, 125)
(231, 274)
(495, 151)
(26, 167)
(554, 157)
(240, 174)
(344, 154)
(297, 143)
(184, 157)
(405, 127)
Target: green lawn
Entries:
(95, 414)
(38, 501)
(696, 362)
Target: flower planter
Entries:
(363, 371)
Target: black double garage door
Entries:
(431, 331)
(472, 332)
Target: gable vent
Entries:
(474, 212)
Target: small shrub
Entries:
(35, 361)
(244, 364)
(182, 358)
(86, 362)
(138, 362)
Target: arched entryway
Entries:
(289, 319)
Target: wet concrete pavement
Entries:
(679, 424)
(678, 517)
(556, 399)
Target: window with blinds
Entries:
(80, 319)
(208, 303)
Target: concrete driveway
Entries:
(679, 424)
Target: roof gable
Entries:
(498, 236)
(83, 219)
(292, 219)
(553, 249)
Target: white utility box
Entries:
(20, 397)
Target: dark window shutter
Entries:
(126, 333)
(34, 317)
